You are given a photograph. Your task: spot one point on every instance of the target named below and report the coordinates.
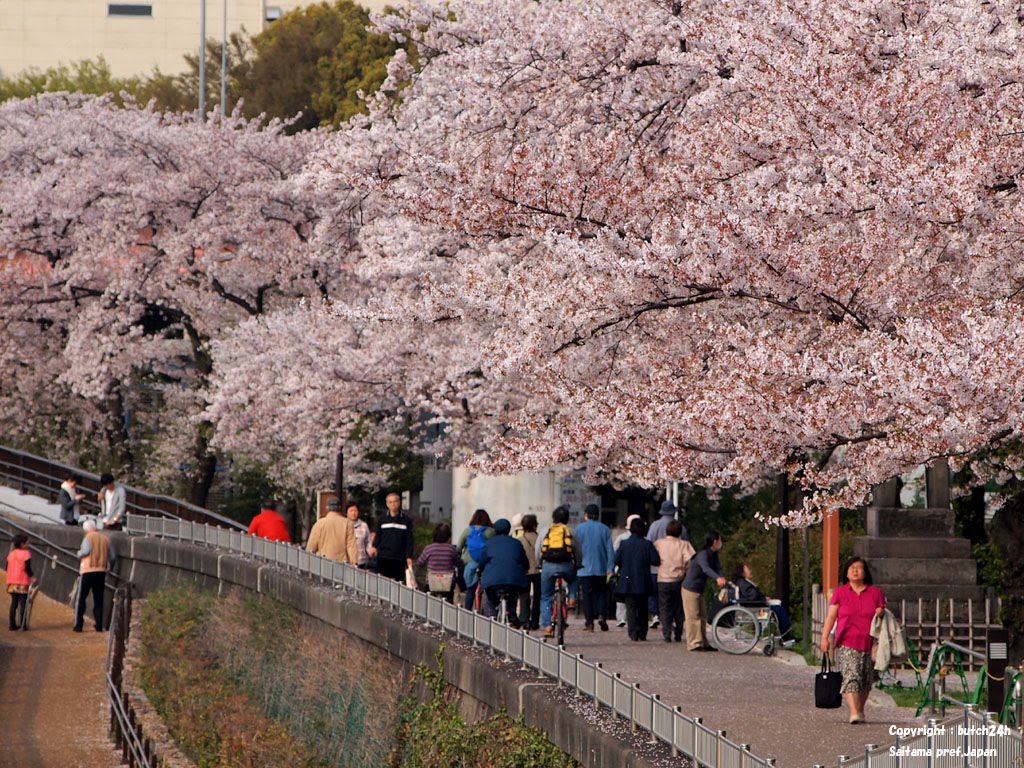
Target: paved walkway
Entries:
(767, 703)
(53, 702)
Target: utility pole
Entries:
(339, 478)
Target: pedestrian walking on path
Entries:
(19, 580)
(269, 524)
(635, 558)
(675, 554)
(595, 542)
(392, 543)
(96, 556)
(332, 536)
(853, 606)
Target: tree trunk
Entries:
(1008, 535)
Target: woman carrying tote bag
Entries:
(852, 607)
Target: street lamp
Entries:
(202, 60)
(224, 65)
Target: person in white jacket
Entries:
(112, 501)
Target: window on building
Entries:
(129, 9)
(273, 13)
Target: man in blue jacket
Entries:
(503, 567)
(595, 542)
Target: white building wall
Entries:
(502, 496)
(535, 493)
(45, 33)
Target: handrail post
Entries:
(867, 754)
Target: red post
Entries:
(829, 552)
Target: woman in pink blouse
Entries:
(852, 607)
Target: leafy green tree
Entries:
(314, 60)
(90, 76)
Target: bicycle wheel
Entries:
(558, 617)
(735, 629)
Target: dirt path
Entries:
(53, 703)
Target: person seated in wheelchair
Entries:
(746, 592)
(503, 568)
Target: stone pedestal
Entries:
(913, 555)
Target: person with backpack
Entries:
(558, 553)
(472, 545)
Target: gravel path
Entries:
(53, 703)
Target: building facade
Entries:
(133, 36)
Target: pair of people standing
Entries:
(111, 497)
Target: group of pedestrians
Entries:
(510, 562)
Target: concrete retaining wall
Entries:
(153, 563)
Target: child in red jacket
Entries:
(19, 579)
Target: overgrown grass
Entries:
(435, 735)
(214, 723)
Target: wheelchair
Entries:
(739, 627)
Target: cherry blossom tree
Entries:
(131, 239)
(705, 240)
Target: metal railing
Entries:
(34, 474)
(50, 552)
(971, 740)
(643, 711)
(136, 750)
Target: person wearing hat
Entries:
(595, 542)
(112, 500)
(620, 607)
(332, 536)
(658, 531)
(503, 568)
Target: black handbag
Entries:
(826, 686)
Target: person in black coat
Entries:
(634, 559)
(503, 568)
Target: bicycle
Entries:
(507, 605)
(560, 610)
